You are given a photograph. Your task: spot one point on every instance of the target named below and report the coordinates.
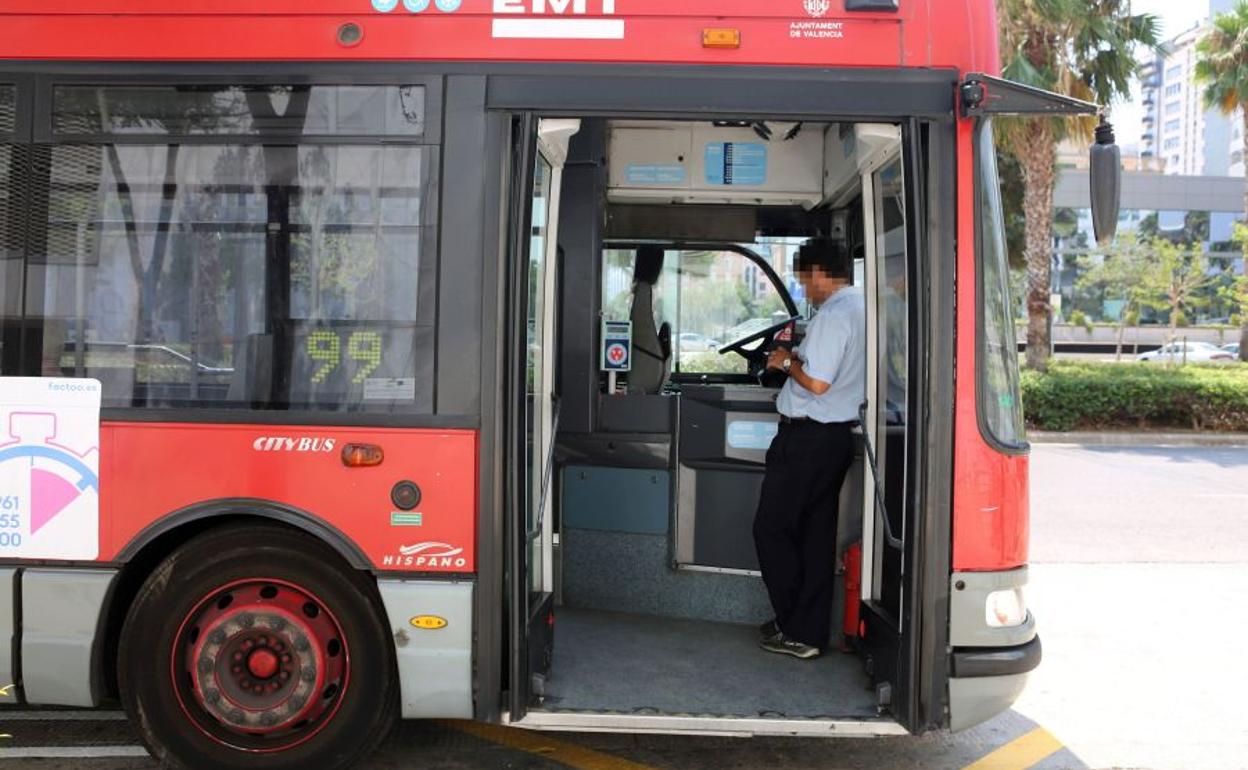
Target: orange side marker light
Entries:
(721, 37)
(362, 455)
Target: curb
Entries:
(1141, 439)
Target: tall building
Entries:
(1179, 131)
(1182, 135)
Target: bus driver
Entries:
(795, 526)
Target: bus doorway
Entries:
(633, 541)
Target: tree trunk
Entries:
(160, 247)
(1039, 177)
(127, 212)
(1243, 304)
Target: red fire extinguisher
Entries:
(852, 560)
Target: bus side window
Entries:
(251, 269)
(11, 225)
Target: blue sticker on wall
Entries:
(752, 434)
(449, 6)
(385, 6)
(416, 6)
(655, 174)
(736, 163)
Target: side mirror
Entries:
(1106, 171)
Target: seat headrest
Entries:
(649, 265)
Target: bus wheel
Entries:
(254, 647)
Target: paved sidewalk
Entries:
(1140, 438)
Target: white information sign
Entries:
(49, 468)
(390, 389)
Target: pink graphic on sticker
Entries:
(49, 495)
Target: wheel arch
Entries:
(140, 557)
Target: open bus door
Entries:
(539, 150)
(894, 253)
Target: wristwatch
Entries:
(787, 365)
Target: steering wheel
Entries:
(767, 334)
(757, 357)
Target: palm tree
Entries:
(1081, 48)
(1222, 66)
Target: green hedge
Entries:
(1089, 396)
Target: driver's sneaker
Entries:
(783, 645)
(769, 630)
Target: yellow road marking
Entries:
(565, 753)
(1029, 750)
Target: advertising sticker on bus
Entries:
(49, 468)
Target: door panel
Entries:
(538, 155)
(892, 360)
(893, 217)
(539, 394)
(519, 420)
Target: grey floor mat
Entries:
(637, 663)
(628, 572)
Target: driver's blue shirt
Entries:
(834, 351)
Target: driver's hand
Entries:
(777, 358)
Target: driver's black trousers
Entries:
(795, 526)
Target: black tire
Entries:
(166, 702)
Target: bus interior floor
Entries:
(606, 661)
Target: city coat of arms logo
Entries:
(817, 8)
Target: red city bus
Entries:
(378, 359)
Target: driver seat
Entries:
(652, 344)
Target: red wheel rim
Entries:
(260, 665)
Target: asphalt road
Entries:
(1138, 582)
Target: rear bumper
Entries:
(986, 682)
(989, 665)
(976, 700)
(978, 662)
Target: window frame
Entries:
(1023, 447)
(35, 124)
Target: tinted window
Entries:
(13, 167)
(240, 110)
(1000, 404)
(11, 216)
(8, 109)
(893, 300)
(268, 276)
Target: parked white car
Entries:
(1187, 352)
(1232, 348)
(691, 341)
